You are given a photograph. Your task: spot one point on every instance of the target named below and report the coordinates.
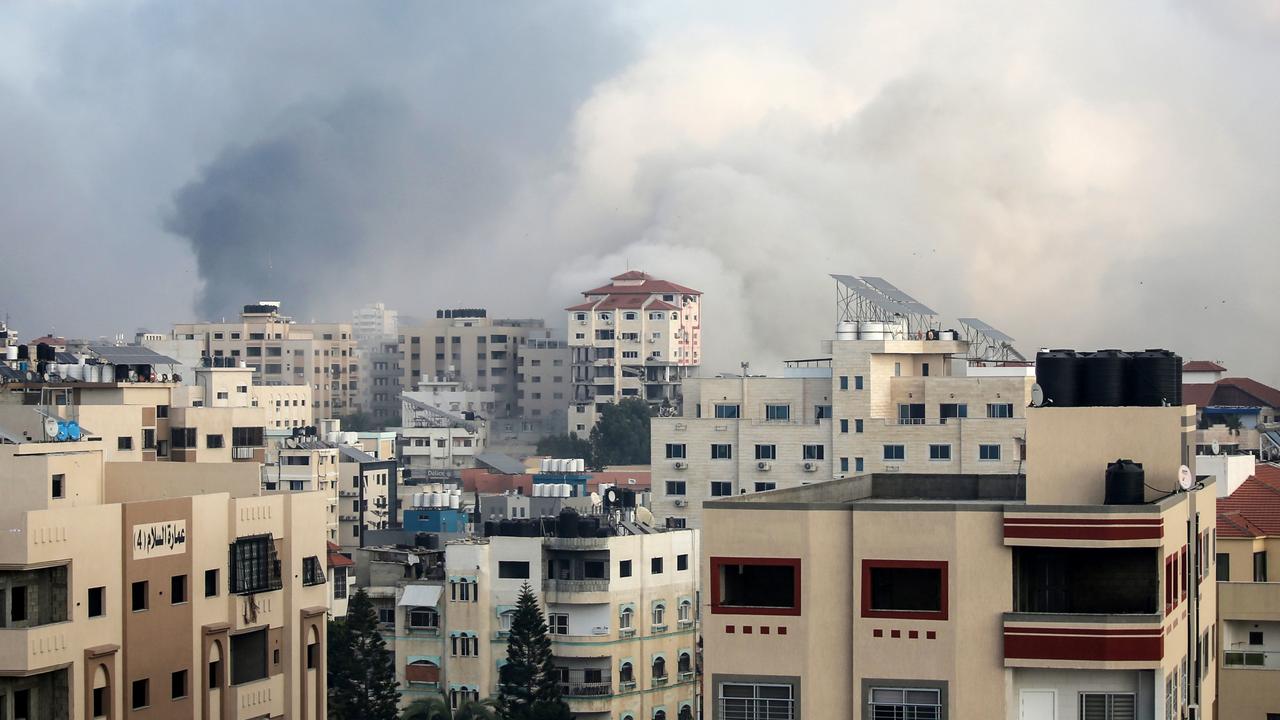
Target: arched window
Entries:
(626, 619)
(626, 674)
(659, 668)
(659, 614)
(424, 618)
(422, 671)
(686, 713)
(101, 691)
(504, 620)
(685, 663)
(660, 715)
(684, 612)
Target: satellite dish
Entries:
(50, 427)
(644, 516)
(595, 498)
(1037, 395)
(1215, 447)
(1185, 479)
(611, 497)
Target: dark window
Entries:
(1260, 566)
(655, 566)
(162, 411)
(124, 442)
(182, 437)
(213, 441)
(766, 452)
(728, 411)
(675, 487)
(624, 568)
(99, 702)
(1110, 581)
(939, 452)
(148, 439)
(777, 412)
(857, 425)
(97, 601)
(312, 572)
(814, 452)
(178, 589)
(755, 585)
(248, 656)
(178, 684)
(513, 569)
(58, 484)
(18, 603)
(895, 452)
(593, 569)
(22, 704)
(139, 596)
(857, 382)
(722, 451)
(141, 693)
(682, 562)
(844, 382)
(844, 425)
(904, 588)
(721, 488)
(254, 565)
(210, 582)
(952, 410)
(675, 450)
(999, 410)
(246, 437)
(764, 486)
(988, 452)
(844, 464)
(1255, 637)
(215, 674)
(312, 654)
(1224, 567)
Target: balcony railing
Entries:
(242, 453)
(660, 681)
(626, 686)
(1254, 659)
(685, 676)
(626, 632)
(586, 689)
(575, 585)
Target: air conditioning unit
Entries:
(762, 465)
(682, 503)
(810, 466)
(680, 464)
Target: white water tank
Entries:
(846, 330)
(350, 438)
(108, 373)
(896, 330)
(537, 489)
(947, 335)
(11, 352)
(333, 437)
(454, 501)
(546, 464)
(566, 490)
(579, 465)
(871, 330)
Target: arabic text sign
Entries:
(159, 539)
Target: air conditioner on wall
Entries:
(682, 503)
(810, 466)
(681, 465)
(762, 465)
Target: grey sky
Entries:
(1077, 174)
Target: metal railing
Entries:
(586, 689)
(1259, 659)
(575, 585)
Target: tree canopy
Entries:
(362, 674)
(529, 685)
(621, 437)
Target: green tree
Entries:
(566, 446)
(529, 685)
(621, 437)
(437, 708)
(362, 674)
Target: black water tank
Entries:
(23, 353)
(587, 527)
(1155, 379)
(1125, 480)
(507, 528)
(1104, 376)
(568, 523)
(490, 528)
(1058, 374)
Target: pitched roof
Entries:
(337, 559)
(1265, 393)
(1202, 366)
(1206, 394)
(647, 286)
(1198, 394)
(633, 275)
(623, 302)
(1253, 510)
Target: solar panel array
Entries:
(883, 295)
(893, 293)
(985, 329)
(130, 355)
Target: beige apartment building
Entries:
(621, 610)
(135, 589)
(871, 406)
(321, 356)
(956, 596)
(636, 337)
(307, 465)
(1248, 570)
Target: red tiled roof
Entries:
(647, 286)
(632, 275)
(337, 559)
(48, 340)
(623, 302)
(1267, 394)
(1253, 510)
(1202, 366)
(1198, 394)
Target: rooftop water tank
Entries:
(1155, 379)
(1125, 480)
(846, 330)
(1104, 376)
(546, 464)
(870, 330)
(568, 523)
(1058, 374)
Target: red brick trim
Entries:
(869, 612)
(717, 563)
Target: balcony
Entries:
(1251, 659)
(576, 543)
(24, 650)
(576, 586)
(626, 632)
(586, 689)
(685, 676)
(1083, 640)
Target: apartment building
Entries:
(1248, 571)
(307, 465)
(881, 405)
(375, 321)
(435, 438)
(321, 356)
(637, 337)
(381, 379)
(621, 610)
(1062, 593)
(1233, 414)
(366, 495)
(136, 589)
(543, 385)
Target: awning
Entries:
(1230, 410)
(420, 596)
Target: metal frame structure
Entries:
(988, 343)
(874, 299)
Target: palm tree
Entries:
(437, 708)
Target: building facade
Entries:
(637, 337)
(971, 596)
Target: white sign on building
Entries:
(159, 539)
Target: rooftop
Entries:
(1253, 510)
(1231, 392)
(636, 282)
(1202, 366)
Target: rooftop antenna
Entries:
(1185, 479)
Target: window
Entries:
(148, 439)
(178, 684)
(215, 674)
(248, 656)
(624, 568)
(844, 464)
(387, 616)
(765, 486)
(682, 562)
(759, 701)
(844, 425)
(675, 451)
(424, 618)
(857, 464)
(999, 410)
(463, 591)
(722, 451)
(58, 485)
(675, 487)
(139, 596)
(340, 581)
(857, 382)
(895, 452)
(141, 695)
(312, 572)
(728, 411)
(1107, 706)
(558, 623)
(162, 411)
(844, 382)
(762, 586)
(182, 437)
(100, 702)
(940, 452)
(312, 655)
(766, 452)
(659, 616)
(988, 452)
(721, 488)
(213, 441)
(777, 412)
(177, 589)
(464, 645)
(814, 452)
(905, 703)
(655, 566)
(513, 569)
(124, 442)
(1260, 566)
(97, 601)
(210, 583)
(1224, 567)
(246, 437)
(904, 589)
(857, 425)
(952, 410)
(254, 565)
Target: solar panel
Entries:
(869, 294)
(893, 293)
(985, 329)
(130, 355)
